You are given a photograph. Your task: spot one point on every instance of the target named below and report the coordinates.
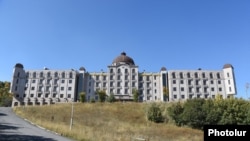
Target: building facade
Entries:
(45, 86)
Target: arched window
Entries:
(63, 74)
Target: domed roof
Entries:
(163, 68)
(227, 66)
(123, 59)
(19, 65)
(82, 69)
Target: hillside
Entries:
(106, 122)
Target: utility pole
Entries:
(72, 114)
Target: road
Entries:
(14, 128)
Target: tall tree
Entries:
(5, 95)
(135, 95)
(165, 93)
(82, 97)
(102, 95)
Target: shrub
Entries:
(154, 113)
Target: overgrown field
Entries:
(106, 122)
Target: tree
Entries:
(102, 95)
(111, 98)
(154, 113)
(165, 93)
(82, 97)
(135, 95)
(5, 95)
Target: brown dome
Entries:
(163, 68)
(227, 66)
(123, 59)
(19, 65)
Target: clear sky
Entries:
(176, 34)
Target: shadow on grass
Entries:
(7, 133)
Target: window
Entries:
(118, 70)
(182, 89)
(188, 75)
(41, 74)
(230, 89)
(175, 96)
(229, 82)
(62, 81)
(48, 74)
(133, 84)
(17, 81)
(220, 89)
(203, 75)
(219, 82)
(69, 88)
(31, 95)
(133, 77)
(155, 91)
(204, 82)
(133, 70)
(61, 95)
(228, 75)
(62, 88)
(182, 82)
(97, 77)
(63, 75)
(189, 82)
(173, 75)
(70, 75)
(104, 84)
(181, 75)
(174, 88)
(111, 77)
(190, 89)
(47, 89)
(54, 89)
(197, 90)
(55, 81)
(104, 77)
(197, 82)
(218, 75)
(56, 74)
(32, 88)
(34, 74)
(118, 84)
(174, 81)
(69, 95)
(196, 75)
(70, 81)
(126, 84)
(212, 89)
(111, 71)
(211, 82)
(182, 96)
(211, 75)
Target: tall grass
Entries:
(105, 122)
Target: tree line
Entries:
(196, 113)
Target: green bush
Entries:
(154, 113)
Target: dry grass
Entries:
(106, 122)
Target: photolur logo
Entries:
(213, 132)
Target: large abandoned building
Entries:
(49, 86)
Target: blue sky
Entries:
(176, 34)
